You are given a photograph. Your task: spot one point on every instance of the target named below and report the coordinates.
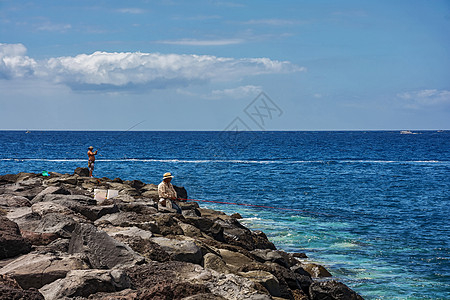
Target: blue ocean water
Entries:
(371, 206)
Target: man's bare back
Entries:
(91, 155)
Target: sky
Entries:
(225, 65)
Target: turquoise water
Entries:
(370, 206)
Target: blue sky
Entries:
(197, 65)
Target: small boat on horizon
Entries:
(28, 131)
(408, 132)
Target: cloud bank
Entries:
(425, 98)
(129, 70)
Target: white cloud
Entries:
(425, 98)
(53, 27)
(129, 10)
(130, 70)
(194, 42)
(14, 63)
(272, 22)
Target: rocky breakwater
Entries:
(57, 242)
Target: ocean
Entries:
(372, 207)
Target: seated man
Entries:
(167, 194)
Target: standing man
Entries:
(91, 154)
(167, 194)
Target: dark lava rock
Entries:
(158, 281)
(181, 192)
(11, 241)
(83, 172)
(10, 290)
(332, 290)
(101, 249)
(145, 247)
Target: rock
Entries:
(64, 179)
(177, 280)
(128, 231)
(23, 216)
(83, 172)
(216, 263)
(50, 190)
(82, 283)
(118, 180)
(204, 297)
(140, 207)
(151, 194)
(279, 257)
(129, 219)
(69, 200)
(136, 184)
(190, 230)
(36, 270)
(39, 238)
(10, 290)
(62, 225)
(48, 207)
(167, 224)
(181, 192)
(93, 213)
(186, 251)
(236, 216)
(332, 290)
(236, 234)
(58, 245)
(11, 241)
(207, 226)
(7, 200)
(234, 260)
(145, 247)
(8, 178)
(266, 279)
(316, 270)
(101, 249)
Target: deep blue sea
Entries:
(373, 207)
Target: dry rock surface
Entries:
(57, 242)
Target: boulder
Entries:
(216, 263)
(276, 256)
(177, 280)
(207, 226)
(39, 238)
(83, 172)
(316, 270)
(266, 279)
(9, 290)
(140, 207)
(167, 224)
(93, 213)
(60, 224)
(82, 283)
(11, 241)
(7, 200)
(190, 230)
(332, 290)
(101, 249)
(234, 260)
(50, 190)
(128, 231)
(145, 247)
(36, 270)
(186, 251)
(48, 207)
(181, 192)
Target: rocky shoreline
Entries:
(58, 242)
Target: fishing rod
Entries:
(103, 146)
(261, 206)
